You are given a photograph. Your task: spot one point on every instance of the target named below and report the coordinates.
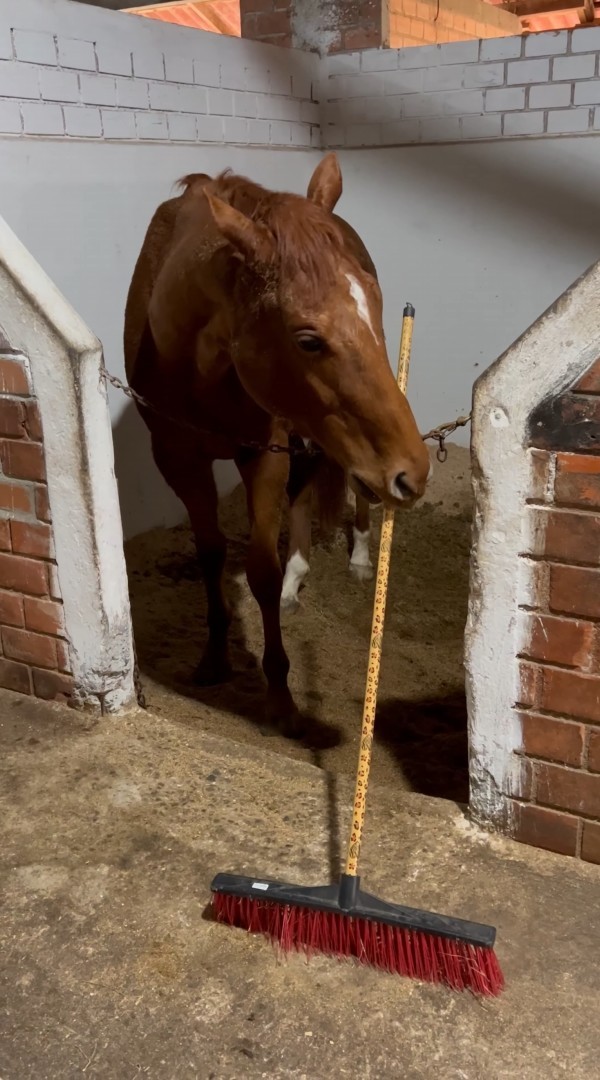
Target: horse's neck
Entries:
(185, 303)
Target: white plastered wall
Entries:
(65, 360)
(547, 359)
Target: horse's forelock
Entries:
(308, 239)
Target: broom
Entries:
(340, 919)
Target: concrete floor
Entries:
(111, 834)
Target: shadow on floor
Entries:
(429, 740)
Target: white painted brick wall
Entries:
(82, 121)
(11, 120)
(537, 85)
(76, 54)
(85, 72)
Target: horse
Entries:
(253, 328)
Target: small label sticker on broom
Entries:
(260, 885)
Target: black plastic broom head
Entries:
(341, 920)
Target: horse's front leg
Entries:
(265, 476)
(360, 561)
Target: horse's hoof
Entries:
(292, 727)
(285, 720)
(213, 672)
(289, 605)
(361, 572)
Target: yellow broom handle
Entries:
(383, 570)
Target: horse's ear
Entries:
(325, 186)
(251, 239)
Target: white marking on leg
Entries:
(295, 573)
(358, 295)
(360, 562)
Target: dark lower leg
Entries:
(265, 478)
(191, 478)
(214, 667)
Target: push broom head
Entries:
(340, 920)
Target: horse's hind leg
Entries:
(300, 523)
(360, 561)
(196, 488)
(265, 479)
(211, 545)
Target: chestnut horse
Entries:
(255, 317)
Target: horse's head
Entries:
(308, 336)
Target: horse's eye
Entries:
(310, 342)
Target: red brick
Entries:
(572, 537)
(529, 685)
(11, 609)
(51, 686)
(33, 421)
(547, 829)
(16, 497)
(23, 460)
(42, 504)
(265, 24)
(552, 740)
(594, 751)
(568, 789)
(570, 693)
(359, 38)
(575, 590)
(64, 660)
(590, 382)
(35, 540)
(30, 648)
(12, 419)
(590, 842)
(4, 535)
(13, 377)
(44, 616)
(577, 481)
(559, 641)
(251, 7)
(15, 677)
(23, 575)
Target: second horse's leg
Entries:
(360, 561)
(297, 567)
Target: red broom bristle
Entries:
(413, 953)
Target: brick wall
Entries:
(321, 26)
(34, 648)
(433, 22)
(82, 72)
(559, 705)
(539, 85)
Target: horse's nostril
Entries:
(403, 488)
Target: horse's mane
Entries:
(309, 241)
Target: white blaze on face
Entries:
(295, 573)
(358, 295)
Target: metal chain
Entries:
(247, 444)
(438, 434)
(441, 433)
